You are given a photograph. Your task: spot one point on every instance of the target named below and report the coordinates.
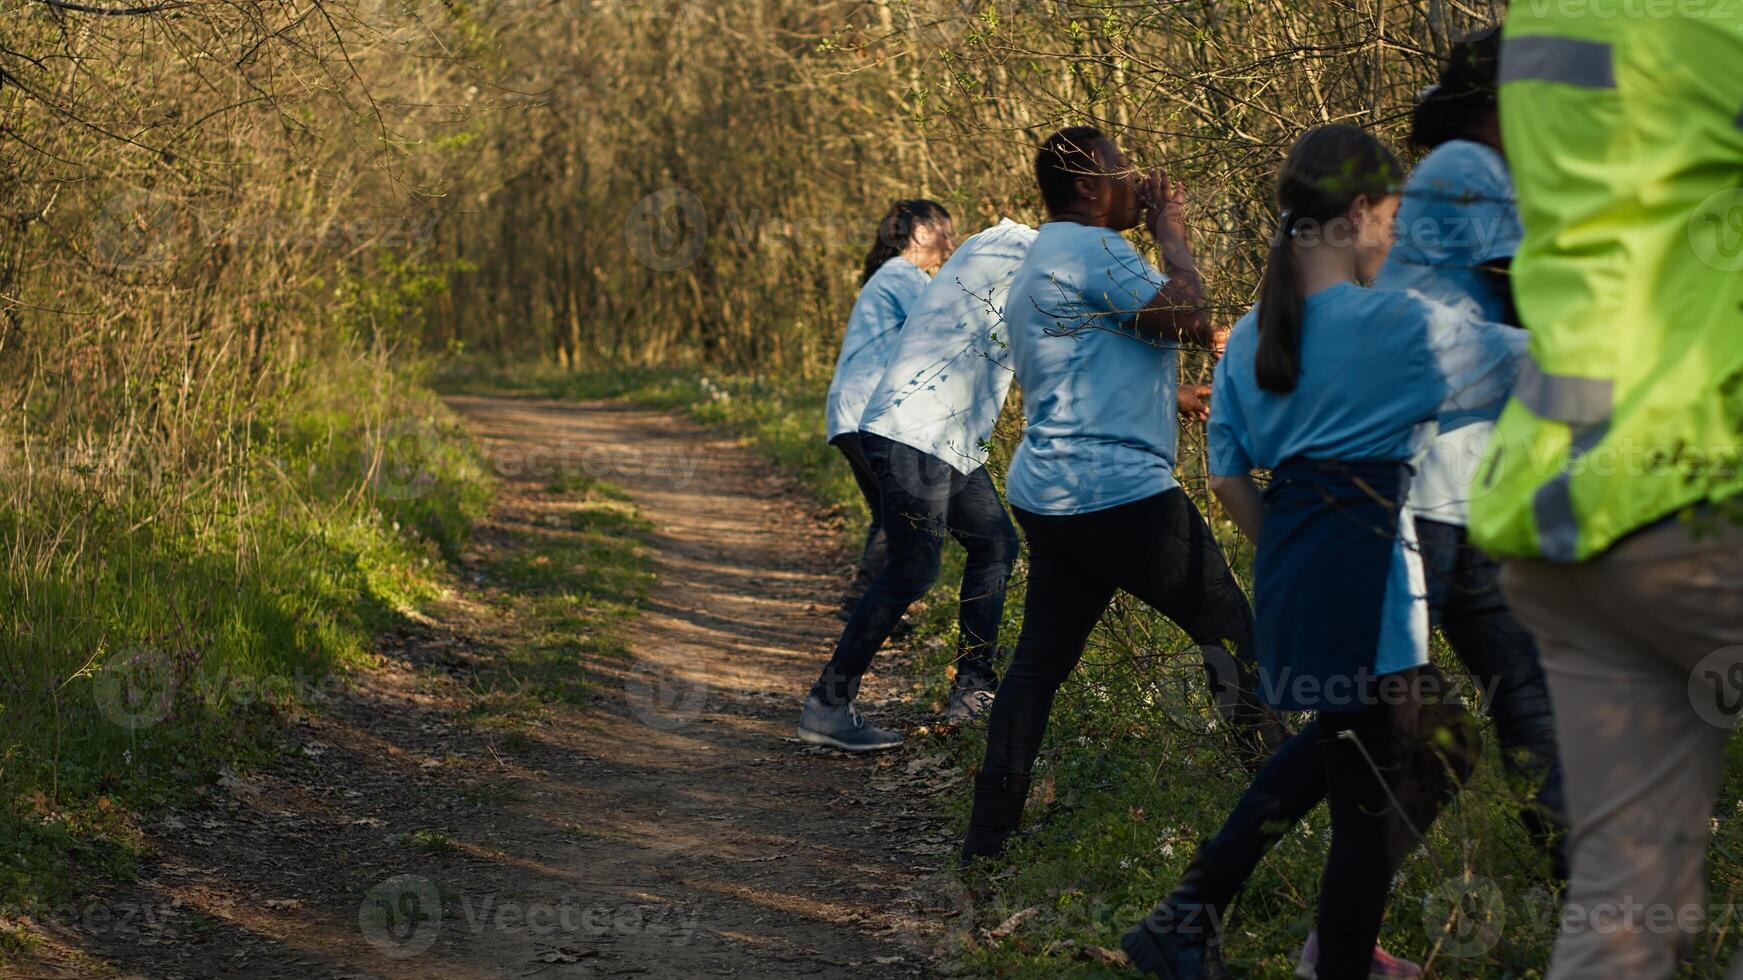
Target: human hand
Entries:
(1194, 402)
(1164, 200)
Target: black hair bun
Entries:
(1466, 93)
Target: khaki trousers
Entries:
(1643, 647)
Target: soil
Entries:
(671, 828)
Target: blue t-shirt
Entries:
(872, 327)
(1098, 396)
(1379, 369)
(948, 377)
(1458, 214)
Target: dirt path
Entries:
(673, 828)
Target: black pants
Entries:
(1158, 549)
(1386, 771)
(924, 499)
(1465, 601)
(1389, 771)
(877, 545)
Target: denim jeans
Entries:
(923, 499)
(1465, 601)
(877, 546)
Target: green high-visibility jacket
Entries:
(1623, 126)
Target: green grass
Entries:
(1126, 784)
(571, 587)
(429, 841)
(151, 635)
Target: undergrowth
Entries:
(1130, 778)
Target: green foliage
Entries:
(391, 302)
(1133, 773)
(429, 841)
(152, 635)
(572, 587)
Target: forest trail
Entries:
(673, 827)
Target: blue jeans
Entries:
(923, 499)
(877, 546)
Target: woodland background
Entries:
(244, 238)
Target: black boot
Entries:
(1182, 938)
(1255, 731)
(998, 809)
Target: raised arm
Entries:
(1177, 311)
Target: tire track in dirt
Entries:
(672, 828)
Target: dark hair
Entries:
(1064, 157)
(1327, 169)
(896, 230)
(1465, 95)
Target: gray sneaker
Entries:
(967, 705)
(842, 727)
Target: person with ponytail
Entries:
(1095, 333)
(921, 435)
(1334, 389)
(1458, 230)
(913, 237)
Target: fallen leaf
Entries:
(1103, 955)
(1010, 925)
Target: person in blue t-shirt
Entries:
(913, 236)
(1458, 228)
(923, 439)
(1095, 333)
(1334, 389)
(945, 386)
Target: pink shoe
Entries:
(1385, 966)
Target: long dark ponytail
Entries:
(896, 230)
(1327, 169)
